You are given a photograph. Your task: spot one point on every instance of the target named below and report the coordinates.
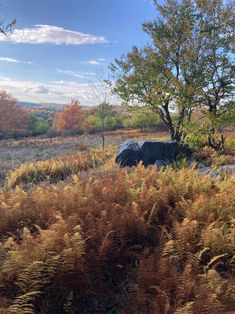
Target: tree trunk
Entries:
(216, 144)
(102, 136)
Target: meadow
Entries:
(78, 234)
(14, 153)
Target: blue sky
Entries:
(57, 47)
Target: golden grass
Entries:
(60, 168)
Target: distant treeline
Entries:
(17, 121)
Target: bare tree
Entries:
(101, 93)
(5, 27)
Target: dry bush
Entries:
(230, 145)
(119, 241)
(213, 158)
(222, 159)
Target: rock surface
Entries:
(131, 152)
(161, 163)
(221, 171)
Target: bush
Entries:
(144, 121)
(39, 126)
(196, 137)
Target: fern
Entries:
(24, 303)
(130, 240)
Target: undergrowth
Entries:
(119, 241)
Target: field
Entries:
(78, 234)
(14, 153)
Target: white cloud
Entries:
(98, 61)
(48, 34)
(81, 75)
(50, 92)
(93, 62)
(11, 60)
(6, 59)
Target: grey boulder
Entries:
(131, 152)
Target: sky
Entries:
(57, 47)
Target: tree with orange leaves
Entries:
(71, 118)
(13, 118)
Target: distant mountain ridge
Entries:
(49, 106)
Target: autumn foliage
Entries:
(70, 118)
(119, 241)
(13, 118)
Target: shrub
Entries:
(196, 137)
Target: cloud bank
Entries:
(49, 34)
(50, 92)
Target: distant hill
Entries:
(48, 106)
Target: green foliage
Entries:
(94, 121)
(39, 126)
(196, 136)
(217, 24)
(142, 120)
(102, 119)
(189, 64)
(165, 75)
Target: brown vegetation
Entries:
(70, 118)
(54, 170)
(119, 241)
(13, 118)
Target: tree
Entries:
(104, 116)
(38, 126)
(5, 29)
(101, 93)
(170, 75)
(217, 92)
(71, 118)
(40, 121)
(13, 118)
(142, 120)
(164, 76)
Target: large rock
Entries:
(131, 152)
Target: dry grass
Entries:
(60, 168)
(14, 153)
